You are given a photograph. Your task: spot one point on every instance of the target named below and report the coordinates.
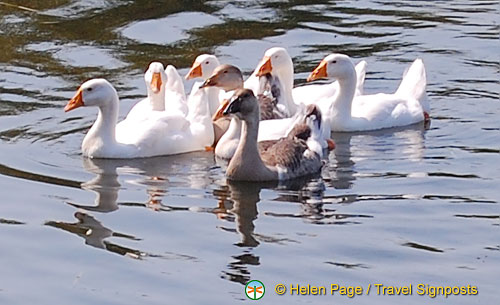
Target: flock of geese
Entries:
(265, 128)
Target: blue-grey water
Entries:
(409, 206)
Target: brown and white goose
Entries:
(230, 78)
(289, 158)
(308, 125)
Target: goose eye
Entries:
(206, 63)
(89, 89)
(334, 62)
(225, 72)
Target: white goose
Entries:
(371, 112)
(203, 67)
(278, 63)
(288, 158)
(161, 134)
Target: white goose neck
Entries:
(213, 99)
(198, 104)
(157, 100)
(285, 78)
(234, 129)
(342, 104)
(105, 124)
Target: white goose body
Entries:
(162, 134)
(348, 113)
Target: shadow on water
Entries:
(17, 173)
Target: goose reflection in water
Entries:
(379, 147)
(150, 173)
(309, 193)
(244, 197)
(241, 201)
(95, 234)
(105, 185)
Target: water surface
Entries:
(401, 206)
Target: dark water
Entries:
(396, 207)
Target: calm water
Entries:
(397, 207)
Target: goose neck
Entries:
(105, 124)
(213, 99)
(199, 103)
(247, 153)
(285, 79)
(343, 99)
(234, 129)
(157, 100)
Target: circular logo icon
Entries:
(254, 290)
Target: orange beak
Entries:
(319, 72)
(75, 102)
(156, 82)
(195, 71)
(220, 111)
(265, 66)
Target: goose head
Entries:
(276, 61)
(155, 77)
(95, 92)
(203, 66)
(244, 105)
(226, 77)
(334, 66)
(313, 116)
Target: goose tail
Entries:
(360, 73)
(414, 84)
(174, 81)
